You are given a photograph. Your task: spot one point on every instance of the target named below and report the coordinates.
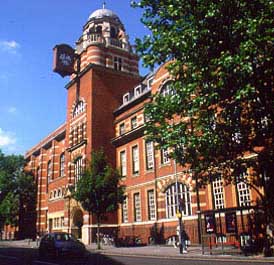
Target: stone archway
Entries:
(77, 222)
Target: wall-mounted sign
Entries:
(231, 222)
(63, 60)
(210, 224)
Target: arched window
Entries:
(171, 200)
(78, 169)
(99, 29)
(167, 90)
(79, 108)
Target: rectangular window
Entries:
(165, 156)
(137, 207)
(62, 165)
(123, 163)
(149, 155)
(78, 168)
(135, 160)
(125, 210)
(243, 192)
(117, 63)
(122, 129)
(49, 174)
(134, 123)
(151, 205)
(218, 193)
(62, 221)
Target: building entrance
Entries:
(77, 223)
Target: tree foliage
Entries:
(98, 190)
(17, 192)
(221, 55)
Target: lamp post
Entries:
(179, 204)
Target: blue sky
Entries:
(33, 98)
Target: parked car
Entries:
(61, 244)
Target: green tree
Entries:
(221, 108)
(98, 190)
(17, 194)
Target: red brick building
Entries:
(105, 109)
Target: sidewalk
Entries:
(161, 251)
(169, 251)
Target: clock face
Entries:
(65, 59)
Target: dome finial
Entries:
(104, 4)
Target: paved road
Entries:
(29, 256)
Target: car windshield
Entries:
(63, 237)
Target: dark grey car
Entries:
(61, 244)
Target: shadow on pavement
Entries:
(29, 256)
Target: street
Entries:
(29, 256)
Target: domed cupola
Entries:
(104, 13)
(104, 36)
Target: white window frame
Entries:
(122, 128)
(149, 155)
(166, 90)
(244, 194)
(165, 156)
(49, 174)
(151, 205)
(62, 165)
(118, 63)
(171, 200)
(149, 82)
(137, 207)
(133, 122)
(135, 160)
(125, 210)
(138, 91)
(218, 193)
(78, 169)
(123, 163)
(126, 98)
(79, 108)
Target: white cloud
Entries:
(9, 46)
(12, 110)
(7, 139)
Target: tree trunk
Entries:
(98, 233)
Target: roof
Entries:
(103, 12)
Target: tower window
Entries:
(99, 29)
(117, 63)
(113, 33)
(78, 169)
(79, 108)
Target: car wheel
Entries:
(42, 253)
(57, 253)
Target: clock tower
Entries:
(107, 68)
